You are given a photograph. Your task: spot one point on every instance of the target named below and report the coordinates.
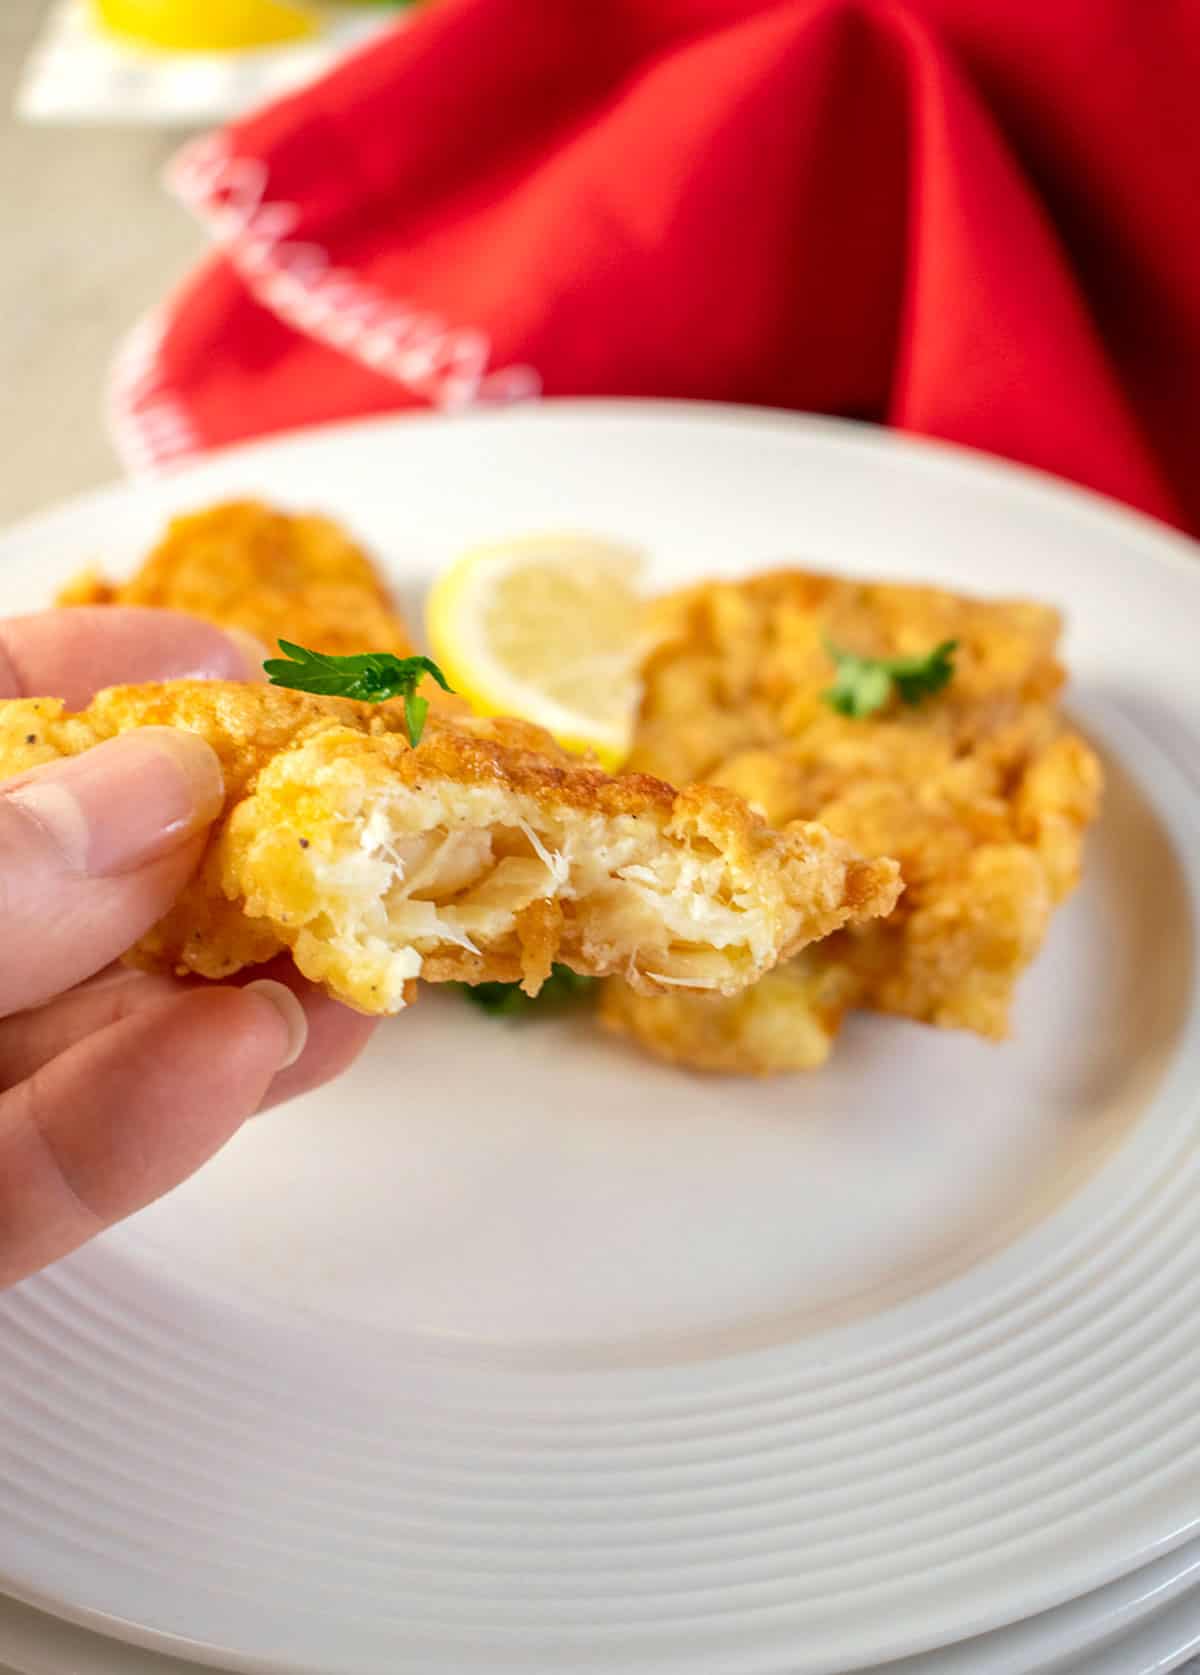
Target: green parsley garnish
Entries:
(371, 678)
(863, 685)
(509, 1000)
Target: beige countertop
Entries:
(91, 241)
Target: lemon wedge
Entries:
(549, 628)
(208, 25)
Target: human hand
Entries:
(115, 1085)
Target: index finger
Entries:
(73, 653)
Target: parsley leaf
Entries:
(562, 988)
(862, 685)
(371, 678)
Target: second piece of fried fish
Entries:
(981, 793)
(486, 853)
(245, 565)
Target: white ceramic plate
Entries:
(78, 72)
(1143, 1624)
(517, 1352)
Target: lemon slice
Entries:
(549, 628)
(208, 25)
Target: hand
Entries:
(116, 1085)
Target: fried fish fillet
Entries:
(486, 853)
(244, 565)
(981, 793)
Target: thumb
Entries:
(94, 850)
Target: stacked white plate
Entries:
(514, 1352)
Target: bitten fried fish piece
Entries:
(981, 793)
(486, 853)
(245, 565)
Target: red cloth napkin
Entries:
(975, 219)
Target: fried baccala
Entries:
(981, 792)
(244, 565)
(484, 854)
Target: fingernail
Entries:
(254, 652)
(289, 1009)
(114, 976)
(126, 802)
